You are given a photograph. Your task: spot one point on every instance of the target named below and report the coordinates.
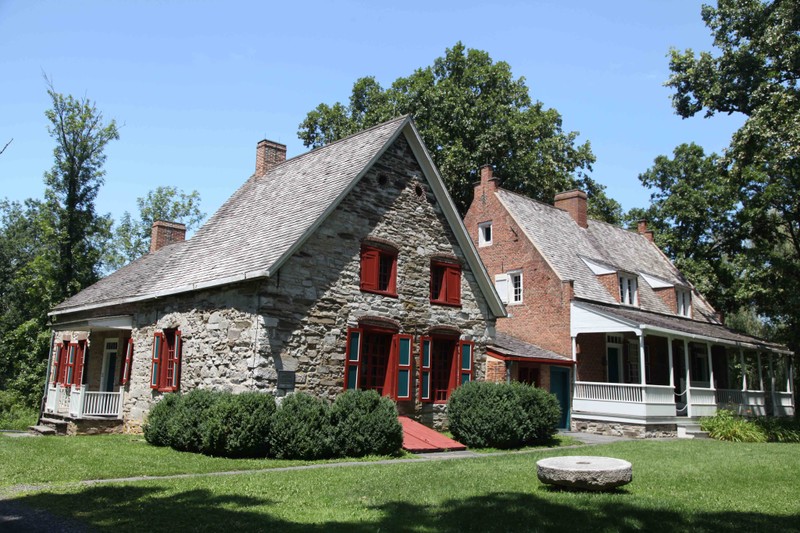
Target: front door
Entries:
(559, 386)
(614, 353)
(108, 378)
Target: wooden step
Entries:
(418, 438)
(42, 430)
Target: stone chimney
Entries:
(644, 231)
(166, 233)
(269, 154)
(574, 203)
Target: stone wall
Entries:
(618, 429)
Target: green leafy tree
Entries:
(72, 184)
(132, 235)
(755, 72)
(692, 209)
(471, 111)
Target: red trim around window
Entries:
(425, 345)
(352, 359)
(405, 356)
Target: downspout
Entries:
(47, 374)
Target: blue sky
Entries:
(194, 85)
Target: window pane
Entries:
(402, 383)
(405, 351)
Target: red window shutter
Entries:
(403, 368)
(390, 379)
(69, 378)
(453, 284)
(393, 278)
(126, 366)
(352, 360)
(77, 377)
(370, 266)
(454, 369)
(155, 361)
(175, 363)
(425, 370)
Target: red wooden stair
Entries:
(422, 439)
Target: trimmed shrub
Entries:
(238, 425)
(726, 425)
(158, 420)
(364, 423)
(300, 428)
(185, 428)
(502, 415)
(543, 413)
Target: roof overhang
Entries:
(106, 323)
(586, 319)
(523, 359)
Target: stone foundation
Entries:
(618, 429)
(89, 426)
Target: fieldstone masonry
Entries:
(238, 337)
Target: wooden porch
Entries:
(77, 402)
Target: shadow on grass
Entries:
(153, 509)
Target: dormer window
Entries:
(485, 234)
(684, 302)
(628, 290)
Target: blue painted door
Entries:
(559, 385)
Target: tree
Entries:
(71, 188)
(756, 73)
(132, 236)
(692, 209)
(471, 111)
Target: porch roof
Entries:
(655, 323)
(507, 347)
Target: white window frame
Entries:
(628, 289)
(513, 297)
(482, 227)
(108, 350)
(683, 298)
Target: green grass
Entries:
(559, 441)
(70, 459)
(687, 485)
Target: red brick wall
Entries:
(543, 316)
(591, 357)
(667, 294)
(495, 370)
(611, 283)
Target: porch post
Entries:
(711, 384)
(642, 373)
(575, 359)
(744, 369)
(771, 383)
(688, 379)
(508, 371)
(671, 366)
(760, 374)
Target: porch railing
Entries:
(77, 402)
(782, 404)
(703, 401)
(744, 402)
(624, 399)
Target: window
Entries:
(445, 363)
(684, 299)
(165, 371)
(68, 363)
(485, 234)
(445, 283)
(125, 373)
(379, 270)
(378, 359)
(628, 292)
(509, 287)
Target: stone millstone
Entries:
(588, 473)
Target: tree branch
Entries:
(6, 146)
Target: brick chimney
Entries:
(166, 233)
(269, 154)
(487, 183)
(644, 231)
(574, 203)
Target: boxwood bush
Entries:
(502, 415)
(301, 428)
(159, 419)
(238, 425)
(364, 423)
(186, 425)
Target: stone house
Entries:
(347, 267)
(650, 354)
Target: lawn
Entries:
(678, 485)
